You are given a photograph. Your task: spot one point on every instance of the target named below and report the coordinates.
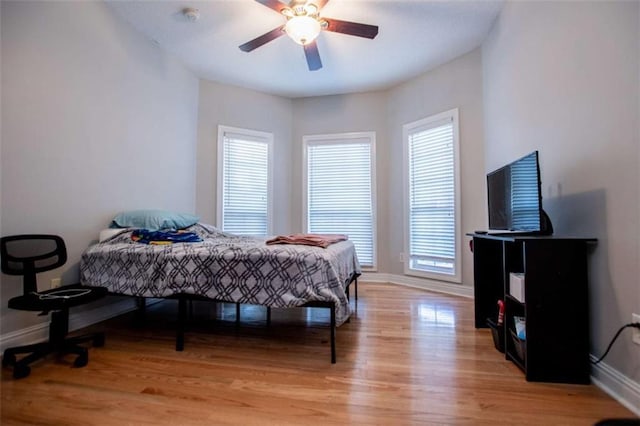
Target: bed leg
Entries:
(268, 316)
(333, 333)
(182, 313)
(355, 282)
(237, 314)
(141, 308)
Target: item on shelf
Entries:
(516, 286)
(521, 329)
(497, 331)
(500, 312)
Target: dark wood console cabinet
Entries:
(555, 305)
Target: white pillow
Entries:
(153, 220)
(108, 233)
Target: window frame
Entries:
(333, 139)
(268, 138)
(407, 129)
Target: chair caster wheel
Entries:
(98, 341)
(8, 359)
(21, 371)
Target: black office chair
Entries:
(28, 255)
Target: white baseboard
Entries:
(422, 283)
(617, 385)
(40, 332)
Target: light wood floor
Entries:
(406, 357)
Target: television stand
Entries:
(513, 234)
(555, 306)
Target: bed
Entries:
(228, 268)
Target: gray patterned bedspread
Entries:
(224, 267)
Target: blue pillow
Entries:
(153, 220)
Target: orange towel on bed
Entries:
(317, 240)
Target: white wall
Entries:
(238, 107)
(563, 78)
(457, 84)
(95, 119)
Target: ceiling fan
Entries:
(303, 26)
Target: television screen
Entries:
(514, 198)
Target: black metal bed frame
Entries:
(183, 298)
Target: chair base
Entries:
(57, 343)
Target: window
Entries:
(340, 187)
(432, 197)
(244, 181)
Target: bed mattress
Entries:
(224, 267)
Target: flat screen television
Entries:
(515, 198)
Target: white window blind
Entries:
(340, 176)
(244, 183)
(431, 147)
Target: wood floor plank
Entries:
(406, 357)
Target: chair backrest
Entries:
(30, 254)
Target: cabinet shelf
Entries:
(556, 295)
(510, 299)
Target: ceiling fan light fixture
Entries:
(302, 29)
(311, 9)
(303, 26)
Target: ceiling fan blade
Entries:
(320, 3)
(273, 4)
(313, 56)
(351, 28)
(263, 39)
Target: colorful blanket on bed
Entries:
(145, 236)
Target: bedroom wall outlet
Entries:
(55, 282)
(401, 257)
(635, 318)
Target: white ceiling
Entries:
(414, 37)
